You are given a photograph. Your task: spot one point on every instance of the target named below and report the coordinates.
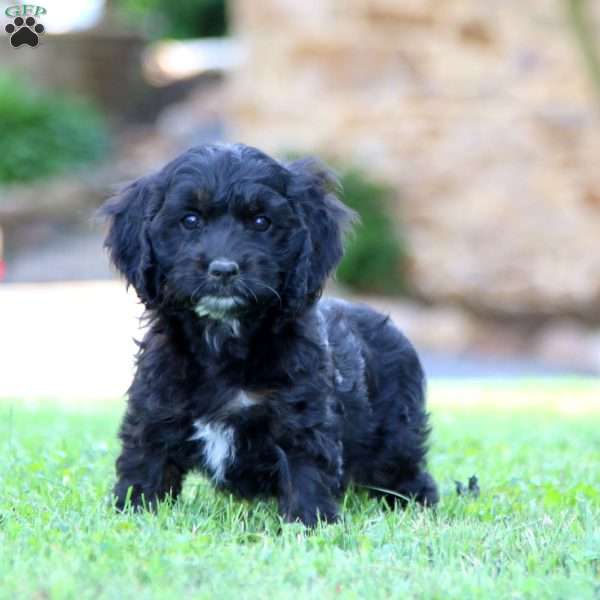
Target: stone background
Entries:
(480, 112)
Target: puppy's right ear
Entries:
(129, 214)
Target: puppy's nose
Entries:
(223, 269)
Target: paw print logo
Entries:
(24, 32)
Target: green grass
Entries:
(533, 533)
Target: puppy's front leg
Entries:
(148, 468)
(307, 491)
(145, 477)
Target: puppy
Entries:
(244, 373)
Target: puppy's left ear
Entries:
(314, 191)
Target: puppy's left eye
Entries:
(260, 223)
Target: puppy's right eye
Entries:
(191, 221)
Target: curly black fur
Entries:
(252, 379)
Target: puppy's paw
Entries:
(127, 501)
(310, 516)
(131, 497)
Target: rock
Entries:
(569, 344)
(447, 329)
(479, 113)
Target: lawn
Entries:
(534, 532)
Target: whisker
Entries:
(275, 292)
(248, 289)
(196, 291)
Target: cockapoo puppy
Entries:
(244, 372)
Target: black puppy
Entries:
(244, 373)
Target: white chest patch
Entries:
(219, 446)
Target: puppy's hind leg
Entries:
(399, 473)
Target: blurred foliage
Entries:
(579, 15)
(375, 254)
(179, 20)
(45, 133)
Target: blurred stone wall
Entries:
(481, 112)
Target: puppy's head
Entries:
(227, 230)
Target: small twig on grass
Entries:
(385, 491)
(471, 489)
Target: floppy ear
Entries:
(129, 214)
(313, 192)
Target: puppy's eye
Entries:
(260, 223)
(192, 221)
